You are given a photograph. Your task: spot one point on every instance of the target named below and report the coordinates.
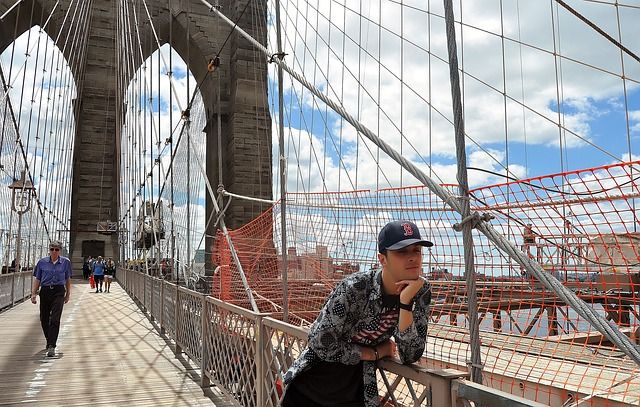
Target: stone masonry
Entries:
(197, 35)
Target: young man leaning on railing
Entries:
(355, 326)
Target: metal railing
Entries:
(245, 353)
(14, 287)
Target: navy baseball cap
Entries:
(399, 234)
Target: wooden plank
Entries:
(559, 372)
(108, 354)
(592, 337)
(576, 353)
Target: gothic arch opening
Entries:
(38, 96)
(162, 161)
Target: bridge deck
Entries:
(108, 354)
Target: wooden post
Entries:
(453, 316)
(497, 321)
(552, 320)
(625, 314)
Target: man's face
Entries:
(403, 264)
(55, 253)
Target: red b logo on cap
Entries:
(408, 230)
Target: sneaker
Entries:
(51, 351)
(101, 290)
(96, 290)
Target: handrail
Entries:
(245, 353)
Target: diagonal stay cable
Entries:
(599, 322)
(191, 101)
(598, 30)
(24, 65)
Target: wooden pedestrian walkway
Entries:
(108, 354)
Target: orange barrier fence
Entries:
(582, 227)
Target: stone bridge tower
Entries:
(196, 34)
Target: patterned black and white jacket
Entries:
(355, 305)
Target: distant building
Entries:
(439, 274)
(316, 266)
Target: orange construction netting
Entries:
(581, 226)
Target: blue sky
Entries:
(585, 82)
(390, 74)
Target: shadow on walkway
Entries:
(108, 354)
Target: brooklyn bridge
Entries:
(235, 159)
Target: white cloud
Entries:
(634, 117)
(532, 76)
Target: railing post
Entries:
(176, 322)
(13, 284)
(151, 302)
(204, 332)
(20, 288)
(260, 362)
(144, 292)
(162, 307)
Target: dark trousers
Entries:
(51, 302)
(98, 279)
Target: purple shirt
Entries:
(52, 274)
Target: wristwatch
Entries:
(408, 307)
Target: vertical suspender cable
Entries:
(627, 120)
(283, 174)
(170, 73)
(467, 239)
(158, 146)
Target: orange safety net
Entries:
(582, 227)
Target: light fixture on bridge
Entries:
(22, 191)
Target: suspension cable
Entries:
(599, 322)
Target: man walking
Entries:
(356, 324)
(98, 273)
(52, 275)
